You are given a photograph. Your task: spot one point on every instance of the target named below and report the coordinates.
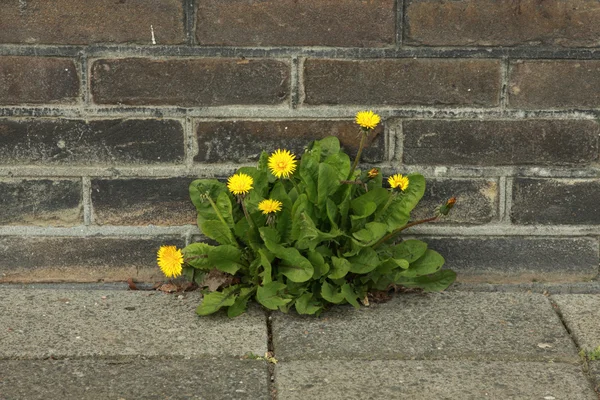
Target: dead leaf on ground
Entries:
(131, 284)
(216, 279)
(167, 288)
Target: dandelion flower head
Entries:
(239, 183)
(269, 206)
(170, 261)
(282, 163)
(398, 181)
(367, 119)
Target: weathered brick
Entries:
(99, 21)
(142, 201)
(243, 141)
(556, 201)
(81, 259)
(35, 80)
(40, 202)
(519, 259)
(572, 23)
(554, 84)
(199, 82)
(477, 200)
(405, 81)
(62, 141)
(296, 23)
(541, 142)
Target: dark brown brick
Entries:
(516, 259)
(243, 141)
(541, 142)
(61, 141)
(397, 82)
(571, 23)
(353, 23)
(477, 200)
(200, 82)
(40, 202)
(35, 80)
(554, 84)
(82, 259)
(98, 21)
(556, 201)
(142, 201)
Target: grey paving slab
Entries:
(581, 313)
(475, 326)
(430, 380)
(133, 379)
(107, 323)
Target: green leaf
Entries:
(266, 264)
(321, 268)
(341, 267)
(328, 183)
(260, 183)
(241, 302)
(350, 295)
(329, 293)
(340, 163)
(309, 236)
(226, 258)
(379, 196)
(429, 263)
(193, 275)
(213, 301)
(269, 234)
(371, 233)
(329, 146)
(224, 205)
(218, 231)
(196, 255)
(268, 295)
(430, 283)
(295, 267)
(398, 212)
(332, 213)
(366, 261)
(409, 250)
(199, 190)
(306, 305)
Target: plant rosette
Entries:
(307, 233)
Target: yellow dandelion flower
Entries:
(398, 181)
(269, 206)
(367, 119)
(170, 261)
(373, 172)
(282, 163)
(239, 183)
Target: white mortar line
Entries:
(89, 231)
(502, 199)
(283, 111)
(505, 230)
(225, 169)
(508, 194)
(88, 212)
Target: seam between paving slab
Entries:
(584, 363)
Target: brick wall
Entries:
(109, 108)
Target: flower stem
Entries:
(214, 206)
(360, 149)
(397, 231)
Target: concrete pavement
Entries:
(113, 344)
